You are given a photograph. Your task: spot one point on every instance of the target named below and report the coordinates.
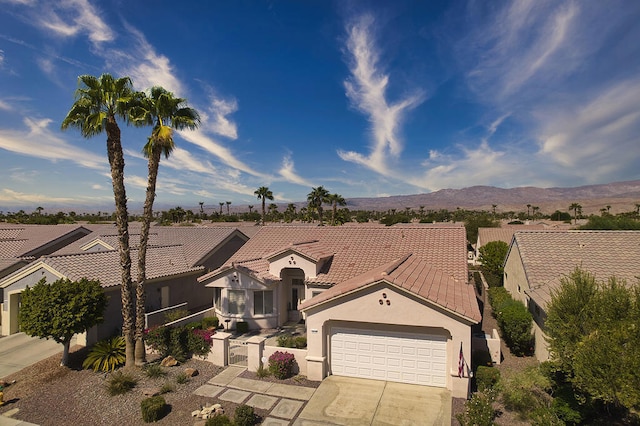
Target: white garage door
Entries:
(396, 357)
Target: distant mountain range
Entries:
(621, 196)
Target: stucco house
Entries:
(538, 260)
(386, 303)
(175, 258)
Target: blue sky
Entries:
(367, 98)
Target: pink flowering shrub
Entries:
(281, 364)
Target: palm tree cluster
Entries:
(99, 103)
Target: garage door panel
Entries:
(401, 357)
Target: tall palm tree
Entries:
(577, 208)
(99, 101)
(316, 198)
(335, 200)
(228, 204)
(165, 113)
(221, 204)
(250, 208)
(263, 193)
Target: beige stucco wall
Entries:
(234, 280)
(404, 313)
(515, 279)
(292, 260)
(516, 283)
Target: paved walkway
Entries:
(18, 351)
(283, 402)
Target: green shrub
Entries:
(182, 378)
(242, 327)
(288, 341)
(153, 409)
(166, 388)
(120, 383)
(175, 315)
(498, 296)
(526, 390)
(194, 325)
(516, 324)
(479, 411)
(262, 372)
(245, 416)
(219, 420)
(106, 355)
(154, 371)
(210, 322)
(281, 364)
(179, 342)
(486, 377)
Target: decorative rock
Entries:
(169, 362)
(208, 411)
(151, 391)
(191, 372)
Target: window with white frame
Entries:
(217, 298)
(236, 301)
(263, 302)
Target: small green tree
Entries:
(594, 338)
(492, 256)
(61, 309)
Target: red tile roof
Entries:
(356, 251)
(415, 275)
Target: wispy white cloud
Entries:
(199, 138)
(526, 42)
(597, 139)
(287, 171)
(366, 89)
(69, 18)
(141, 61)
(217, 120)
(38, 141)
(10, 197)
(5, 106)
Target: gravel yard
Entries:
(47, 394)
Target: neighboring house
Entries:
(505, 234)
(175, 258)
(387, 303)
(21, 244)
(538, 260)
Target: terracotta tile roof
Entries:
(162, 261)
(198, 242)
(439, 252)
(547, 256)
(415, 275)
(486, 235)
(314, 250)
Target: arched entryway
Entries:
(294, 292)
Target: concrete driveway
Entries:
(18, 351)
(349, 401)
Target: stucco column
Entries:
(219, 354)
(255, 349)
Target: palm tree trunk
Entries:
(154, 163)
(116, 161)
(263, 212)
(333, 214)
